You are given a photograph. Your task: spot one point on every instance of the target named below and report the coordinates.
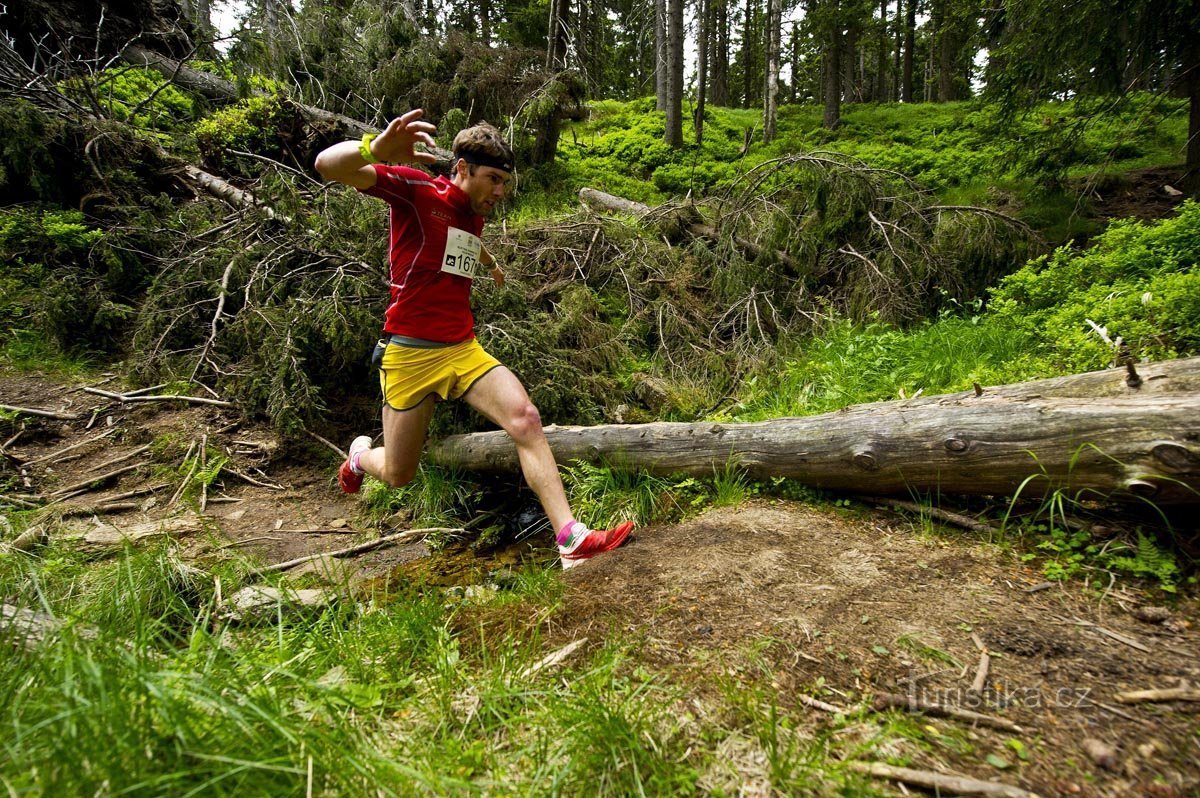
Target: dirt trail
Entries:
(859, 601)
(832, 603)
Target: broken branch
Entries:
(911, 704)
(957, 785)
(387, 540)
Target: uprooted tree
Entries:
(1128, 434)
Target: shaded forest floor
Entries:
(800, 601)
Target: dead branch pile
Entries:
(826, 231)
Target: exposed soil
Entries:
(832, 603)
(1146, 194)
(860, 600)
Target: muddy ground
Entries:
(838, 604)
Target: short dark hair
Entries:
(483, 140)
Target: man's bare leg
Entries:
(403, 439)
(501, 398)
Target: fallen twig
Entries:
(100, 509)
(19, 501)
(212, 335)
(958, 785)
(816, 703)
(981, 672)
(1166, 694)
(1109, 708)
(957, 519)
(125, 398)
(203, 459)
(30, 539)
(387, 540)
(86, 484)
(552, 659)
(247, 540)
(1120, 638)
(345, 530)
(251, 480)
(13, 439)
(123, 457)
(59, 453)
(129, 494)
(188, 478)
(33, 411)
(328, 443)
(911, 704)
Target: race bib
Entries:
(462, 253)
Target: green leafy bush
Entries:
(143, 98)
(250, 125)
(1138, 281)
(32, 167)
(61, 281)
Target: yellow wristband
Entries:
(364, 148)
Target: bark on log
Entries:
(1089, 434)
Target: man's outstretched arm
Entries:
(344, 162)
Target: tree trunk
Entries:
(899, 29)
(910, 28)
(661, 70)
(937, 46)
(795, 63)
(846, 61)
(271, 31)
(833, 79)
(485, 21)
(1091, 435)
(748, 54)
(702, 48)
(1191, 72)
(720, 60)
(771, 89)
(880, 94)
(673, 135)
(556, 38)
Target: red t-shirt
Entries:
(434, 246)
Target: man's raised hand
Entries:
(397, 143)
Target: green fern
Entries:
(1149, 560)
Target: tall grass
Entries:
(851, 364)
(146, 690)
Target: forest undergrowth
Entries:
(903, 255)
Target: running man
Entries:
(431, 354)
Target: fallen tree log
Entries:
(1091, 434)
(215, 87)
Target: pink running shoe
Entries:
(597, 541)
(350, 480)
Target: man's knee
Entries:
(525, 424)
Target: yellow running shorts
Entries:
(408, 374)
